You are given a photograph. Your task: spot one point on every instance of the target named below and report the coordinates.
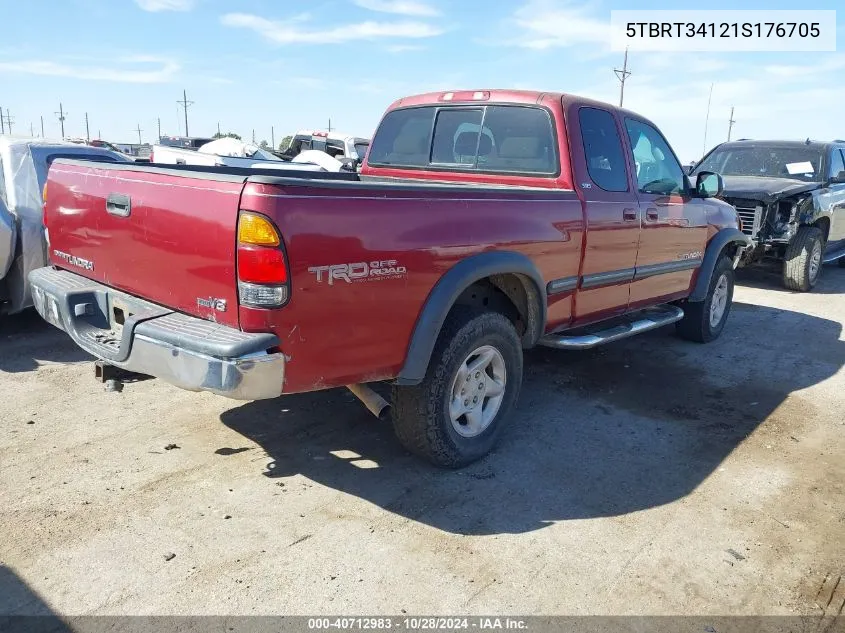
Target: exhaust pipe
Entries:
(376, 405)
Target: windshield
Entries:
(797, 163)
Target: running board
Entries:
(832, 257)
(636, 323)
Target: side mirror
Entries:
(709, 185)
(838, 178)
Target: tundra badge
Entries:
(73, 260)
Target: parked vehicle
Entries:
(185, 142)
(335, 144)
(229, 152)
(23, 172)
(483, 223)
(790, 196)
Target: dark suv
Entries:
(790, 197)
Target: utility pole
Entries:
(218, 129)
(272, 137)
(185, 104)
(31, 130)
(87, 133)
(62, 117)
(42, 126)
(731, 123)
(2, 123)
(253, 136)
(622, 75)
(707, 120)
(158, 119)
(139, 130)
(330, 124)
(9, 120)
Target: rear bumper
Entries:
(185, 351)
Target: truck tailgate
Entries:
(168, 238)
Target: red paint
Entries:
(179, 244)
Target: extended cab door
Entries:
(674, 224)
(610, 209)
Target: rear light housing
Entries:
(263, 280)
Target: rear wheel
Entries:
(704, 320)
(802, 264)
(456, 414)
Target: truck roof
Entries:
(818, 145)
(498, 95)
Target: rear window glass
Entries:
(499, 139)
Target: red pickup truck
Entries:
(483, 223)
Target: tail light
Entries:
(263, 280)
(152, 157)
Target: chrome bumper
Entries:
(185, 351)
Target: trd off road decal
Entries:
(359, 271)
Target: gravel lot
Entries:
(652, 476)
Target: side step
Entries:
(634, 323)
(832, 257)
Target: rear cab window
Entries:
(506, 139)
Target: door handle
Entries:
(651, 215)
(119, 205)
(629, 215)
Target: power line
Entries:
(185, 105)
(622, 75)
(61, 114)
(731, 122)
(707, 120)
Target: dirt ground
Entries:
(652, 476)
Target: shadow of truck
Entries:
(615, 430)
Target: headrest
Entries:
(520, 147)
(466, 143)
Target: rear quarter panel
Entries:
(358, 331)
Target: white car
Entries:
(336, 144)
(23, 172)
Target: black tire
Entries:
(798, 260)
(696, 325)
(421, 416)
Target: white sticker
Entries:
(800, 168)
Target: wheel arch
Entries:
(724, 241)
(512, 274)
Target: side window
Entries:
(603, 149)
(658, 172)
(837, 164)
(456, 136)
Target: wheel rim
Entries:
(720, 301)
(477, 391)
(815, 261)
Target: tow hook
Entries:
(375, 404)
(113, 378)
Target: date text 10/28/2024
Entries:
(418, 623)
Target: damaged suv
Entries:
(790, 198)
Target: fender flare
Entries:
(447, 290)
(711, 256)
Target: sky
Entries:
(277, 66)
